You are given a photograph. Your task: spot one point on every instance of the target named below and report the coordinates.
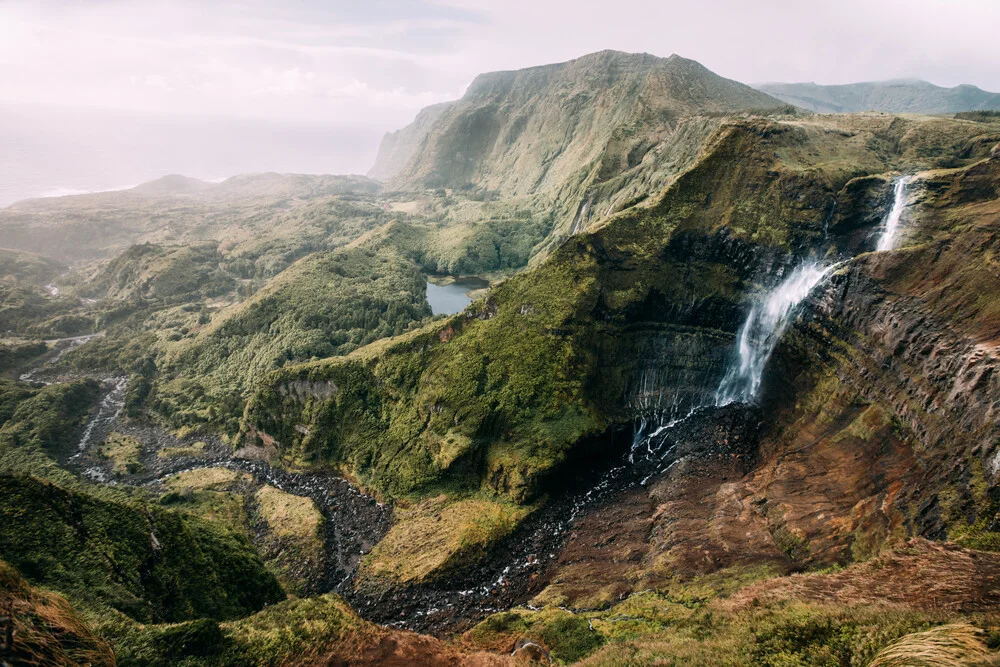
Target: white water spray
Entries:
(890, 228)
(762, 330)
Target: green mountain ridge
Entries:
(894, 96)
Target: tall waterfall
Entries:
(890, 228)
(762, 330)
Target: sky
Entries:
(375, 63)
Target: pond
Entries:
(454, 297)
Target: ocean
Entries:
(47, 151)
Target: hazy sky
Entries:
(376, 62)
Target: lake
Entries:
(453, 298)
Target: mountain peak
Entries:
(515, 129)
(172, 184)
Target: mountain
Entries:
(898, 96)
(528, 130)
(705, 413)
(172, 184)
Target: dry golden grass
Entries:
(204, 479)
(194, 449)
(943, 646)
(123, 451)
(918, 574)
(46, 630)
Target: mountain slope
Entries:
(898, 96)
(552, 355)
(397, 148)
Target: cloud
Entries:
(378, 62)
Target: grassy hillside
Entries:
(325, 305)
(110, 551)
(529, 130)
(250, 210)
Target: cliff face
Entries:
(908, 341)
(399, 147)
(879, 415)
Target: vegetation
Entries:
(653, 628)
(47, 631)
(437, 538)
(288, 315)
(496, 397)
(318, 630)
(982, 116)
(123, 451)
(903, 96)
(14, 354)
(325, 305)
(110, 551)
(294, 543)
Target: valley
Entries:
(609, 362)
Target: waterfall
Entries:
(756, 340)
(890, 227)
(762, 330)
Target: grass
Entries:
(46, 630)
(943, 646)
(109, 550)
(437, 537)
(324, 305)
(123, 451)
(319, 630)
(292, 540)
(205, 479)
(194, 449)
(288, 516)
(647, 629)
(210, 494)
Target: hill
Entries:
(255, 210)
(897, 96)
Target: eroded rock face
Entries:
(884, 397)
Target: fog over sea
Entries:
(47, 151)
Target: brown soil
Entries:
(394, 648)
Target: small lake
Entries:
(453, 298)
